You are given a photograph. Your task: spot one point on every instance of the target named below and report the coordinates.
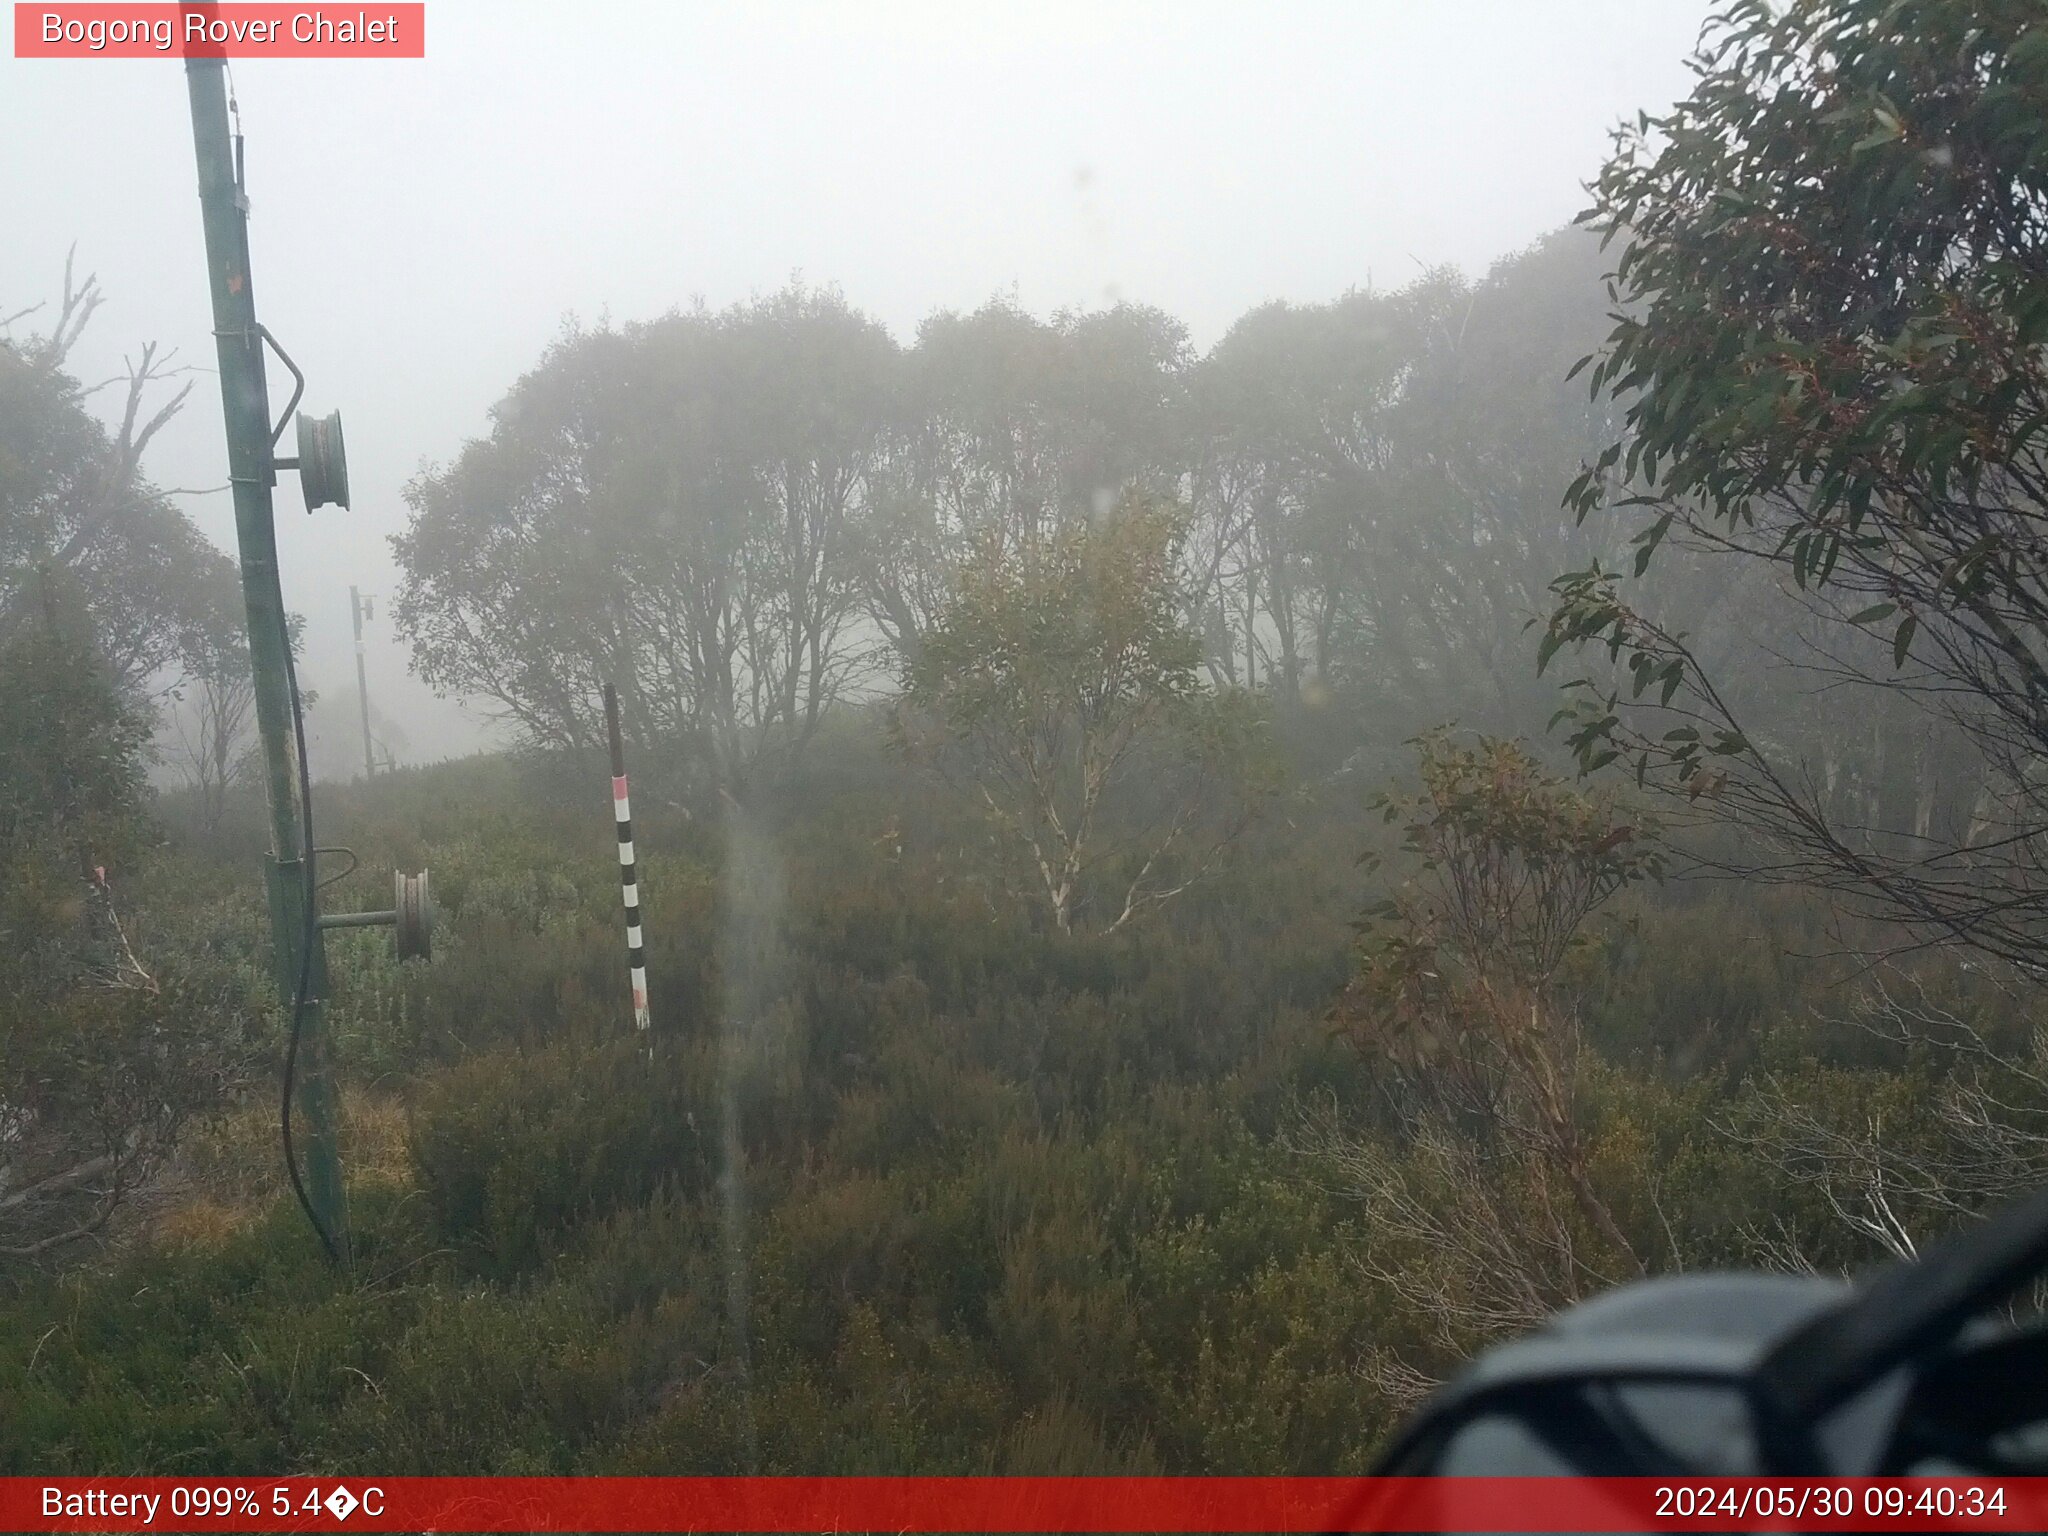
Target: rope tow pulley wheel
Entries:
(410, 917)
(322, 463)
(414, 905)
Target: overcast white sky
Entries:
(421, 228)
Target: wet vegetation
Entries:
(1013, 1200)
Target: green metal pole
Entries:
(246, 405)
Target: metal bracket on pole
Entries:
(322, 464)
(298, 392)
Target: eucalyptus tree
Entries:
(77, 513)
(672, 506)
(1008, 427)
(1495, 1201)
(1832, 275)
(1378, 484)
(1487, 436)
(1061, 684)
(1297, 410)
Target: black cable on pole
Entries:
(354, 864)
(307, 937)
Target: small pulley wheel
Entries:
(415, 907)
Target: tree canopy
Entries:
(1831, 284)
(74, 502)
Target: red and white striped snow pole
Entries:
(629, 880)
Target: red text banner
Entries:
(220, 30)
(1020, 1504)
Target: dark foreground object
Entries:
(1920, 1371)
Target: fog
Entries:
(421, 229)
(1127, 731)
